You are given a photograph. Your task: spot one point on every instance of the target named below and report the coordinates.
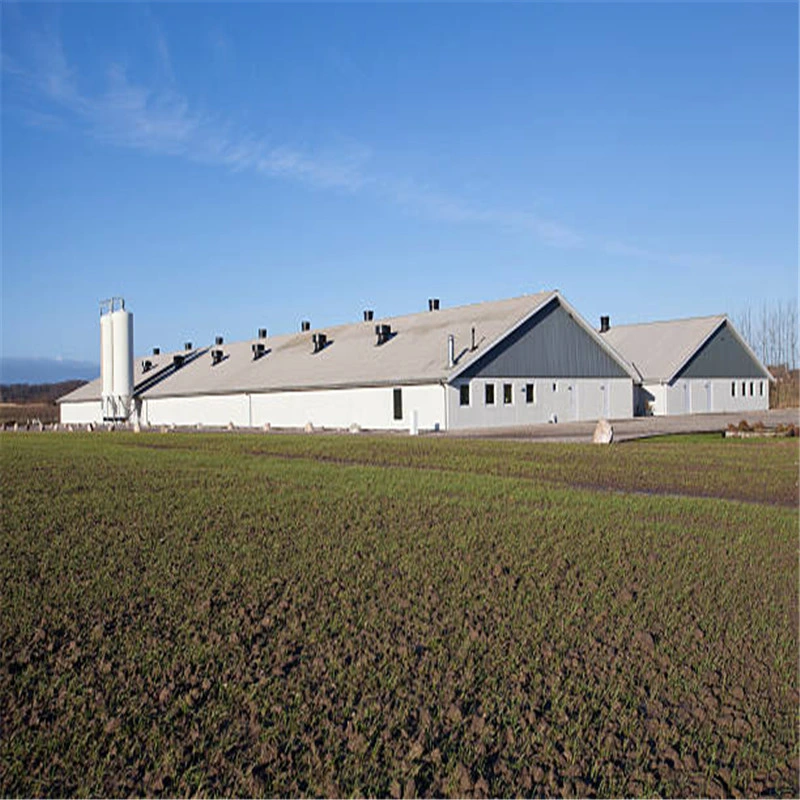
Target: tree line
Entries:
(36, 392)
(771, 330)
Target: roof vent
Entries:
(605, 324)
(216, 356)
(320, 341)
(147, 365)
(473, 346)
(177, 360)
(384, 333)
(218, 340)
(368, 315)
(156, 351)
(433, 304)
(451, 351)
(262, 333)
(305, 325)
(258, 350)
(187, 345)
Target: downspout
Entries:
(446, 408)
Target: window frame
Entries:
(508, 394)
(733, 388)
(462, 390)
(530, 393)
(397, 404)
(488, 394)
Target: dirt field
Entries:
(385, 616)
(26, 413)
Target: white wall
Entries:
(81, 413)
(211, 410)
(711, 395)
(330, 408)
(573, 399)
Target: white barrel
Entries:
(106, 362)
(122, 341)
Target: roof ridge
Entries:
(667, 321)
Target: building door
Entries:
(573, 402)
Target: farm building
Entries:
(690, 366)
(511, 362)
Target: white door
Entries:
(573, 402)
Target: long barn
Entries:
(691, 366)
(519, 361)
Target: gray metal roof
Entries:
(416, 353)
(160, 363)
(660, 350)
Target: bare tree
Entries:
(772, 332)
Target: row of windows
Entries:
(744, 389)
(508, 393)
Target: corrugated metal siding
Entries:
(721, 357)
(550, 344)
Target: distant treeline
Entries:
(36, 392)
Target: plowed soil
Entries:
(345, 615)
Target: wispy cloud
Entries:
(161, 121)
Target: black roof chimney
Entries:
(605, 324)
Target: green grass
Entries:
(352, 615)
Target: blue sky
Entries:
(226, 167)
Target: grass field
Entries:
(351, 615)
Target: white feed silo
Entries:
(106, 361)
(116, 351)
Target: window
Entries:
(733, 388)
(398, 404)
(463, 394)
(489, 394)
(744, 388)
(508, 394)
(761, 388)
(751, 388)
(555, 387)
(529, 397)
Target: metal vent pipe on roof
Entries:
(368, 315)
(473, 346)
(383, 332)
(218, 340)
(216, 357)
(605, 324)
(451, 351)
(187, 345)
(305, 325)
(320, 340)
(262, 333)
(433, 304)
(156, 351)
